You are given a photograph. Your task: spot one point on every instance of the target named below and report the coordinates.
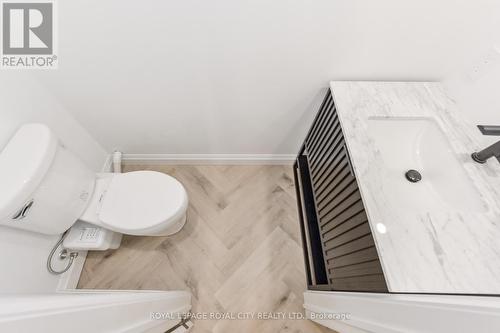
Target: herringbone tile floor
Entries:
(239, 251)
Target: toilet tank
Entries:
(44, 187)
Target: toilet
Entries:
(47, 189)
(146, 203)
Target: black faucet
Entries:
(491, 151)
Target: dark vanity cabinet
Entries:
(339, 249)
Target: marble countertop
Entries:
(445, 251)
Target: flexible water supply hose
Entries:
(62, 255)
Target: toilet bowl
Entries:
(146, 203)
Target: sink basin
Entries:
(419, 144)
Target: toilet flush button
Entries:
(23, 212)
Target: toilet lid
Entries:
(142, 199)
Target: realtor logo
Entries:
(28, 35)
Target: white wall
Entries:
(23, 254)
(478, 97)
(228, 76)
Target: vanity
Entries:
(389, 198)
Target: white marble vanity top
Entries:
(448, 251)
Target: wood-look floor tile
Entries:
(240, 250)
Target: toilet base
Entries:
(98, 238)
(84, 236)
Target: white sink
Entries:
(419, 144)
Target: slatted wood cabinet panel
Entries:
(339, 250)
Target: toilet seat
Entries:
(142, 202)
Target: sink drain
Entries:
(413, 176)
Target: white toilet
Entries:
(46, 189)
(145, 203)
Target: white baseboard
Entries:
(394, 313)
(210, 159)
(69, 280)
